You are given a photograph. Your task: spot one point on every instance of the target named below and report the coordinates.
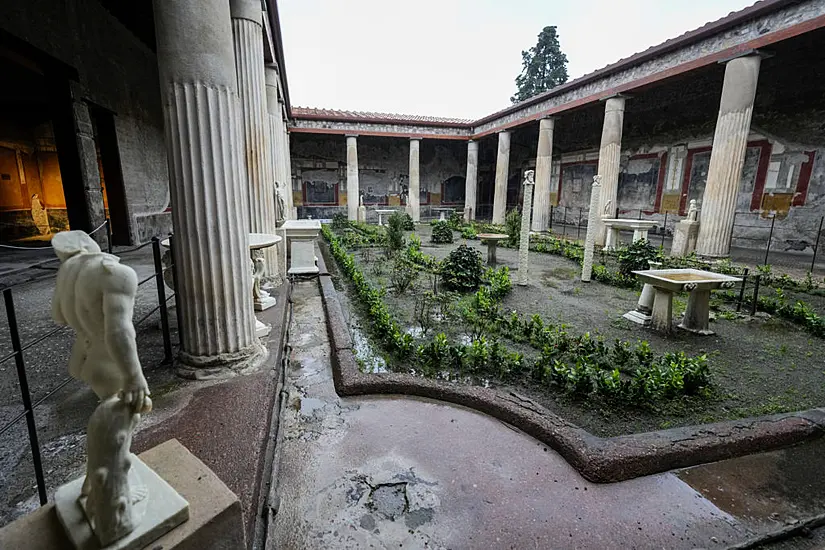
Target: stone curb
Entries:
(598, 459)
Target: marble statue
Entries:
(40, 216)
(95, 295)
(529, 177)
(693, 211)
(280, 207)
(606, 211)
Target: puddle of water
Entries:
(371, 360)
(310, 404)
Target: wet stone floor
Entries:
(390, 472)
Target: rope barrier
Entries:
(98, 228)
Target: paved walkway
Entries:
(377, 472)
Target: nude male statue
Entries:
(95, 295)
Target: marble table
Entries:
(443, 210)
(381, 213)
(639, 227)
(492, 240)
(697, 282)
(299, 236)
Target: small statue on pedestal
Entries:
(95, 295)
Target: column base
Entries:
(264, 303)
(638, 317)
(224, 365)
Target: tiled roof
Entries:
(366, 116)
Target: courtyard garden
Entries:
(422, 300)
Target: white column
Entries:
(592, 228)
(280, 153)
(247, 32)
(524, 236)
(353, 194)
(209, 197)
(727, 157)
(471, 181)
(502, 171)
(609, 153)
(414, 198)
(544, 168)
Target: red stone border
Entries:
(597, 459)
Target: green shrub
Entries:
(636, 257)
(512, 226)
(340, 221)
(469, 232)
(395, 233)
(414, 254)
(442, 234)
(409, 225)
(456, 221)
(462, 269)
(499, 281)
(403, 274)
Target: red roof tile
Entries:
(366, 116)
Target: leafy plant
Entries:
(456, 221)
(469, 232)
(636, 257)
(512, 226)
(408, 225)
(423, 311)
(340, 221)
(403, 274)
(462, 270)
(499, 281)
(395, 233)
(442, 234)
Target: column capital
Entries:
(246, 9)
(350, 135)
(415, 139)
(762, 54)
(617, 96)
(503, 132)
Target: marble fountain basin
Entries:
(678, 280)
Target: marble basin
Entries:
(678, 280)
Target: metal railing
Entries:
(18, 348)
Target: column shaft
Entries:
(415, 186)
(209, 198)
(727, 157)
(353, 194)
(544, 167)
(471, 182)
(280, 151)
(247, 32)
(609, 154)
(502, 172)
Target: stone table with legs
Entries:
(492, 240)
(381, 213)
(639, 227)
(443, 210)
(697, 282)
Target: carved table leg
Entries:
(697, 313)
(663, 310)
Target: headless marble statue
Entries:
(95, 295)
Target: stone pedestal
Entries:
(684, 238)
(609, 156)
(215, 519)
(727, 157)
(592, 229)
(210, 213)
(353, 193)
(471, 182)
(362, 214)
(643, 314)
(502, 172)
(415, 189)
(544, 166)
(697, 313)
(662, 315)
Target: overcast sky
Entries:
(460, 57)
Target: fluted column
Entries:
(471, 182)
(353, 195)
(727, 157)
(415, 194)
(544, 167)
(288, 175)
(502, 171)
(609, 153)
(247, 32)
(280, 158)
(207, 183)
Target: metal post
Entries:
(816, 246)
(664, 229)
(733, 226)
(579, 225)
(770, 236)
(640, 213)
(551, 218)
(164, 313)
(755, 294)
(742, 290)
(109, 235)
(564, 223)
(617, 212)
(177, 287)
(27, 400)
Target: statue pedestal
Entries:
(161, 509)
(684, 238)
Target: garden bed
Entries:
(756, 366)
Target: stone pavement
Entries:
(388, 472)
